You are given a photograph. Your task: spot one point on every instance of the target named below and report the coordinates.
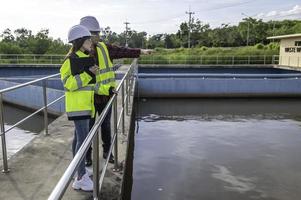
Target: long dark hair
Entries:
(76, 45)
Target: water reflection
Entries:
(218, 149)
(19, 136)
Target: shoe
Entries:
(88, 171)
(88, 162)
(111, 159)
(85, 183)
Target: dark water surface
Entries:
(218, 149)
(21, 135)
(13, 114)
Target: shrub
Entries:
(259, 46)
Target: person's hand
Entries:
(146, 51)
(94, 69)
(112, 91)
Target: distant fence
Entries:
(31, 59)
(149, 59)
(210, 60)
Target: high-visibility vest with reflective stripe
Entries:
(106, 76)
(79, 94)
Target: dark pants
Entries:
(105, 128)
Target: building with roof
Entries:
(290, 49)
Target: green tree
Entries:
(7, 36)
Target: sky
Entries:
(152, 16)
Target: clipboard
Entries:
(79, 65)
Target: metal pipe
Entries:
(45, 107)
(120, 117)
(122, 104)
(212, 75)
(96, 164)
(28, 83)
(127, 100)
(116, 133)
(3, 140)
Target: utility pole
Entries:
(126, 33)
(248, 34)
(273, 29)
(189, 25)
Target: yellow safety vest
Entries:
(106, 77)
(79, 94)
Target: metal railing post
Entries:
(232, 60)
(217, 60)
(123, 110)
(95, 154)
(273, 59)
(4, 152)
(115, 132)
(248, 60)
(45, 107)
(264, 58)
(127, 95)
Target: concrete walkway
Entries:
(36, 169)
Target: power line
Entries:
(201, 10)
(189, 25)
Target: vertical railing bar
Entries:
(95, 154)
(123, 110)
(115, 132)
(3, 139)
(127, 96)
(45, 107)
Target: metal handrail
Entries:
(65, 180)
(44, 108)
(41, 59)
(215, 75)
(27, 83)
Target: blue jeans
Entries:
(80, 134)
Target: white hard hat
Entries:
(78, 31)
(90, 23)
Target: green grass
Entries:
(258, 54)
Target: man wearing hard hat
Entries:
(104, 54)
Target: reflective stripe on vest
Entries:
(78, 80)
(104, 55)
(87, 88)
(114, 68)
(97, 86)
(79, 113)
(106, 81)
(65, 79)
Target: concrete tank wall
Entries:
(218, 82)
(198, 87)
(32, 97)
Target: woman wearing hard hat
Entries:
(79, 96)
